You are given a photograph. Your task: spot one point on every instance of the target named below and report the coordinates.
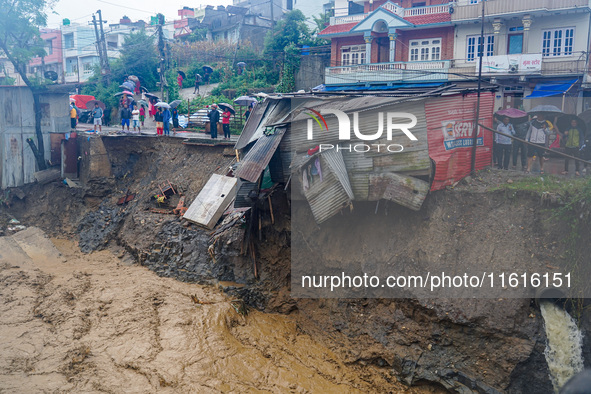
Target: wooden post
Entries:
(271, 209)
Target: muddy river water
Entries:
(71, 322)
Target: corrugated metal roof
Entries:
(251, 125)
(329, 197)
(242, 196)
(257, 159)
(336, 162)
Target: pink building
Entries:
(53, 59)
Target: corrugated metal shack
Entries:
(276, 137)
(17, 162)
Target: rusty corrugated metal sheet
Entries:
(274, 112)
(257, 158)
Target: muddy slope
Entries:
(463, 345)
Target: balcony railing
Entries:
(504, 7)
(388, 72)
(402, 12)
(434, 9)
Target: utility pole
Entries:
(99, 47)
(162, 54)
(272, 12)
(107, 68)
(480, 56)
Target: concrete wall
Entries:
(17, 161)
(311, 72)
(580, 21)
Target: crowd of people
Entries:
(536, 132)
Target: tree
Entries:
(138, 57)
(20, 40)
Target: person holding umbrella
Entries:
(158, 120)
(574, 142)
(214, 118)
(226, 123)
(504, 142)
(539, 130)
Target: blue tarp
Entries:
(323, 88)
(551, 88)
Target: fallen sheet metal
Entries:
(404, 190)
(214, 198)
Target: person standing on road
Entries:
(226, 123)
(197, 82)
(125, 117)
(158, 120)
(521, 130)
(214, 118)
(179, 80)
(142, 115)
(135, 114)
(574, 142)
(504, 142)
(537, 135)
(166, 121)
(97, 116)
(73, 116)
(175, 118)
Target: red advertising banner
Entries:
(450, 122)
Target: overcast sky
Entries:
(80, 11)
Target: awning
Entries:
(376, 87)
(551, 88)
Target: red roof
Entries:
(427, 19)
(335, 29)
(415, 20)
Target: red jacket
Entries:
(226, 117)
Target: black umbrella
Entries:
(241, 64)
(207, 69)
(227, 107)
(182, 74)
(90, 104)
(175, 103)
(150, 95)
(564, 123)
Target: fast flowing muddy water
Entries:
(87, 323)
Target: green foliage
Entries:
(20, 39)
(196, 35)
(292, 29)
(139, 57)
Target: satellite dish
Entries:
(51, 75)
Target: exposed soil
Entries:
(463, 345)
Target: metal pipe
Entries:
(476, 122)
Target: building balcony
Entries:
(401, 12)
(395, 72)
(507, 7)
(521, 66)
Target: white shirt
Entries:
(135, 114)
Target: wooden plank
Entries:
(214, 198)
(404, 190)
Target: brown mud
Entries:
(371, 345)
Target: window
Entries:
(558, 42)
(419, 4)
(474, 1)
(49, 47)
(423, 50)
(69, 40)
(489, 41)
(515, 44)
(352, 55)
